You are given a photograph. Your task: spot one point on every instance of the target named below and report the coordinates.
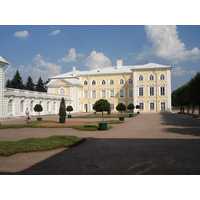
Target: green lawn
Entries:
(99, 115)
(8, 148)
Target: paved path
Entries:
(146, 144)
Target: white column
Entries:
(1, 92)
(169, 90)
(135, 93)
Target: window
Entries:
(85, 82)
(141, 78)
(163, 106)
(103, 82)
(112, 95)
(162, 90)
(93, 82)
(130, 81)
(31, 106)
(151, 105)
(121, 93)
(62, 91)
(112, 106)
(141, 105)
(10, 103)
(141, 91)
(151, 77)
(121, 81)
(85, 94)
(22, 106)
(111, 82)
(94, 94)
(162, 77)
(130, 93)
(103, 93)
(151, 90)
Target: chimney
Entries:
(119, 64)
(74, 70)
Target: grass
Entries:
(89, 126)
(99, 115)
(8, 148)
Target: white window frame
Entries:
(139, 92)
(130, 81)
(161, 76)
(112, 81)
(150, 104)
(151, 91)
(141, 107)
(121, 81)
(102, 82)
(130, 93)
(85, 94)
(121, 89)
(103, 93)
(162, 93)
(93, 81)
(139, 77)
(62, 91)
(94, 94)
(151, 75)
(161, 106)
(113, 96)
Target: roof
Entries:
(3, 61)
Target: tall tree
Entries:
(17, 81)
(29, 85)
(8, 83)
(40, 85)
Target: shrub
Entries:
(69, 109)
(38, 108)
(62, 109)
(130, 107)
(121, 107)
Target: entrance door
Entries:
(85, 107)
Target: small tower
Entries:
(3, 63)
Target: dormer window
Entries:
(93, 82)
(121, 81)
(111, 82)
(162, 77)
(141, 78)
(103, 82)
(151, 77)
(85, 82)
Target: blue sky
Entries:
(48, 50)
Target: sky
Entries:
(49, 50)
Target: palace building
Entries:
(147, 85)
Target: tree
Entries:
(8, 83)
(38, 108)
(130, 107)
(69, 109)
(62, 109)
(17, 81)
(40, 85)
(29, 85)
(101, 105)
(121, 107)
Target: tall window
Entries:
(141, 78)
(85, 94)
(10, 105)
(130, 93)
(151, 77)
(163, 106)
(111, 82)
(112, 106)
(103, 82)
(141, 105)
(162, 77)
(152, 106)
(94, 94)
(121, 93)
(22, 106)
(162, 90)
(103, 93)
(141, 91)
(151, 90)
(112, 95)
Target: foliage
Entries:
(121, 107)
(38, 108)
(188, 95)
(130, 107)
(8, 148)
(17, 81)
(69, 109)
(8, 83)
(62, 109)
(101, 105)
(40, 85)
(29, 85)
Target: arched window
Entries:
(141, 78)
(22, 106)
(151, 77)
(111, 82)
(31, 106)
(162, 77)
(130, 81)
(103, 82)
(121, 81)
(85, 82)
(10, 105)
(93, 82)
(62, 91)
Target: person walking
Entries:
(27, 114)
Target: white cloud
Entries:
(166, 44)
(21, 34)
(55, 32)
(71, 57)
(97, 60)
(178, 71)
